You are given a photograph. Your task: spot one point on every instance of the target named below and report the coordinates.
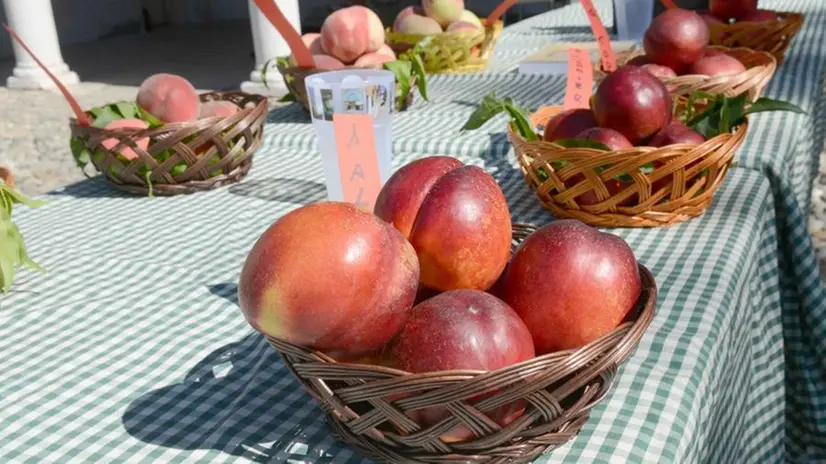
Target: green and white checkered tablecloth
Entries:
(132, 348)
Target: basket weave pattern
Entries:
(771, 37)
(760, 67)
(452, 52)
(559, 390)
(181, 157)
(679, 187)
(294, 78)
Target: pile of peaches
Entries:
(162, 99)
(355, 36)
(427, 281)
(676, 43)
(435, 17)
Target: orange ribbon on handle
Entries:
(580, 79)
(302, 54)
(669, 4)
(79, 114)
(609, 62)
(499, 11)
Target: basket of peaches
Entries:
(677, 49)
(171, 139)
(636, 157)
(431, 328)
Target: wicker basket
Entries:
(760, 67)
(771, 37)
(559, 389)
(452, 52)
(294, 78)
(680, 186)
(181, 157)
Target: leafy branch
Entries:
(12, 246)
(491, 106)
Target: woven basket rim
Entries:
(198, 175)
(783, 16)
(498, 25)
(259, 100)
(536, 115)
(760, 68)
(643, 202)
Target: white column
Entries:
(33, 20)
(268, 44)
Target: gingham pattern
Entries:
(118, 356)
(132, 347)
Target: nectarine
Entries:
(343, 290)
(131, 123)
(676, 38)
(351, 32)
(463, 330)
(571, 284)
(169, 98)
(632, 102)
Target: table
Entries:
(158, 363)
(132, 346)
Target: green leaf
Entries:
(582, 143)
(768, 104)
(488, 108)
(289, 97)
(106, 115)
(127, 110)
(149, 183)
(421, 76)
(521, 119)
(401, 69)
(79, 152)
(149, 118)
(422, 47)
(178, 169)
(18, 197)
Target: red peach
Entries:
(718, 65)
(659, 71)
(219, 108)
(676, 38)
(727, 9)
(345, 291)
(444, 11)
(131, 123)
(169, 98)
(351, 32)
(415, 24)
(463, 330)
(609, 137)
(571, 284)
(462, 233)
(568, 124)
(759, 16)
(372, 60)
(402, 196)
(458, 26)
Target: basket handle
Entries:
(79, 114)
(498, 12)
(301, 52)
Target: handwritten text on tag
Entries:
(580, 79)
(358, 162)
(609, 63)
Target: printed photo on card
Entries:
(353, 100)
(316, 104)
(328, 104)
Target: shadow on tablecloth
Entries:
(281, 190)
(240, 400)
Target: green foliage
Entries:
(492, 106)
(12, 246)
